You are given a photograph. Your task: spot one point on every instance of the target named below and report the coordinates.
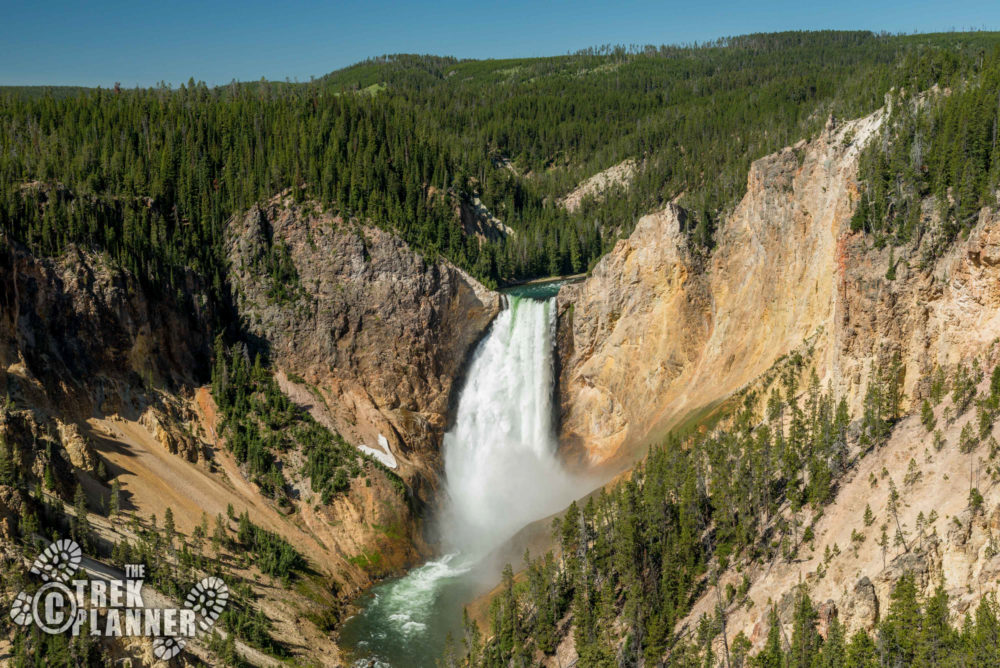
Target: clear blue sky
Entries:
(100, 42)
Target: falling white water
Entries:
(502, 473)
(500, 457)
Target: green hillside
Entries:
(151, 176)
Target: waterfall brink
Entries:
(501, 473)
(500, 456)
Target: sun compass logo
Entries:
(112, 607)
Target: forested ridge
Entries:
(937, 162)
(151, 176)
(633, 558)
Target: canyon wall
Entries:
(80, 337)
(657, 335)
(366, 334)
(103, 376)
(373, 336)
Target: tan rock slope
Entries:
(619, 175)
(943, 315)
(656, 334)
(945, 540)
(651, 336)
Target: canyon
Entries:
(374, 340)
(98, 368)
(658, 336)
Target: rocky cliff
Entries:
(80, 337)
(934, 315)
(369, 333)
(656, 335)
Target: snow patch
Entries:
(384, 455)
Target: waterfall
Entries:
(501, 473)
(500, 457)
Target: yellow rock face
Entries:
(655, 333)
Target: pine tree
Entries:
(219, 534)
(806, 641)
(80, 528)
(472, 639)
(938, 386)
(740, 651)
(115, 508)
(834, 650)
(883, 542)
(893, 507)
(893, 382)
(772, 655)
(862, 652)
(981, 644)
(937, 638)
(169, 530)
(899, 632)
(927, 416)
(995, 388)
(8, 471)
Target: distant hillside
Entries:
(398, 141)
(43, 91)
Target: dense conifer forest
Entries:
(938, 162)
(261, 424)
(151, 176)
